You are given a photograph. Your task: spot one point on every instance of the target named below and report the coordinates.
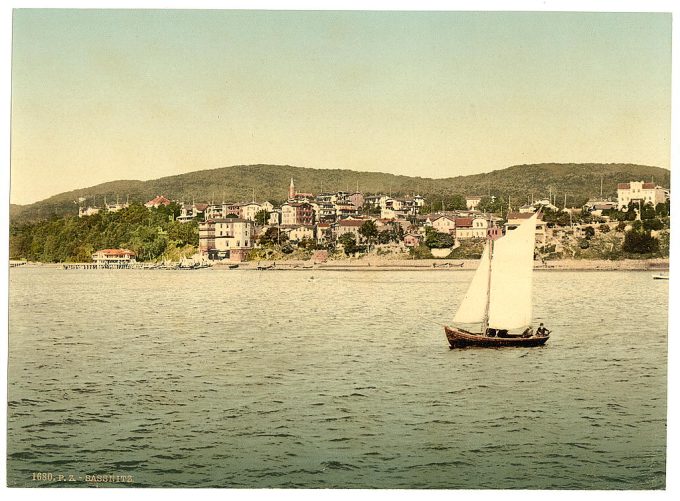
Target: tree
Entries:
(492, 204)
(589, 232)
(307, 243)
(183, 233)
(652, 224)
(436, 240)
(262, 217)
(384, 237)
(640, 242)
(369, 231)
(349, 243)
(604, 228)
(273, 236)
(647, 211)
(663, 209)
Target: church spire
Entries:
(291, 190)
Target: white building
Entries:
(300, 232)
(249, 210)
(640, 192)
(469, 227)
(114, 258)
(87, 211)
(275, 217)
(472, 201)
(444, 224)
(229, 237)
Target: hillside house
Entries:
(516, 218)
(444, 224)
(468, 227)
(293, 213)
(639, 192)
(472, 201)
(157, 202)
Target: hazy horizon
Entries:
(104, 95)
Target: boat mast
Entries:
(485, 322)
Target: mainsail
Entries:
(509, 297)
(512, 268)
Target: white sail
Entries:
(473, 307)
(512, 267)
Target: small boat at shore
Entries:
(499, 296)
(660, 276)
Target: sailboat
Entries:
(499, 296)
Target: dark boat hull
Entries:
(459, 338)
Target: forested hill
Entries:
(270, 182)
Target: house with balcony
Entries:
(114, 258)
(293, 213)
(228, 238)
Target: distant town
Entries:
(343, 224)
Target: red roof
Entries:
(648, 186)
(463, 222)
(159, 200)
(116, 252)
(623, 186)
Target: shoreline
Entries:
(458, 265)
(659, 264)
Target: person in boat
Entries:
(542, 330)
(491, 332)
(528, 332)
(503, 333)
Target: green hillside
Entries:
(270, 182)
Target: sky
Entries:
(102, 95)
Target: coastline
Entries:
(658, 264)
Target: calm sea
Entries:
(330, 379)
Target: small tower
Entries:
(291, 190)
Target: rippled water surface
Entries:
(331, 379)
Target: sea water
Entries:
(318, 378)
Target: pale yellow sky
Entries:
(106, 95)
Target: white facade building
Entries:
(639, 192)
